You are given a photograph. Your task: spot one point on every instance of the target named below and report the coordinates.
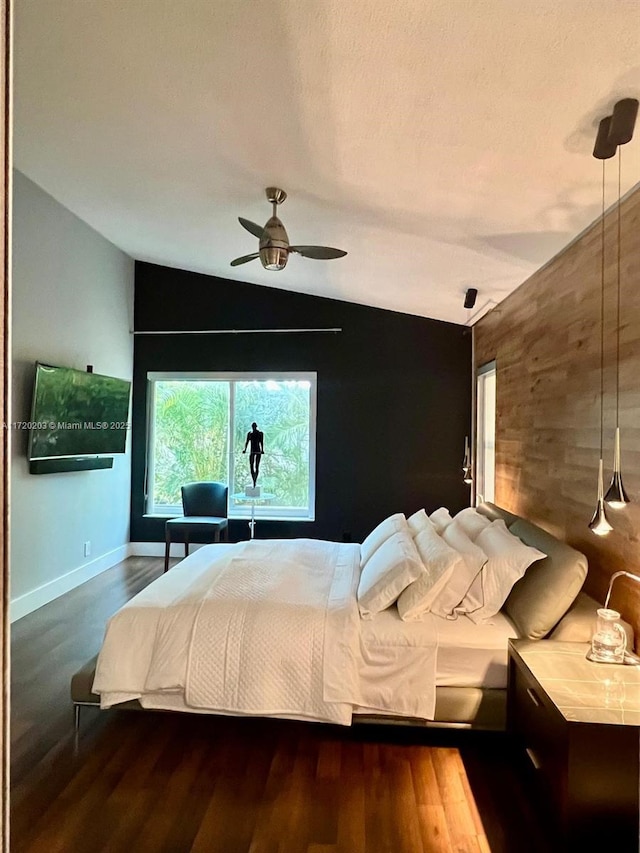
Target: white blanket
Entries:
(267, 627)
(270, 627)
(273, 619)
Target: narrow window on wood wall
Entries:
(486, 433)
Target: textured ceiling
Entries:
(445, 144)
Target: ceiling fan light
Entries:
(273, 257)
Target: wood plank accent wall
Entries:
(545, 338)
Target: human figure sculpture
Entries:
(256, 438)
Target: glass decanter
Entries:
(609, 641)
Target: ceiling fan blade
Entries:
(252, 228)
(319, 253)
(245, 259)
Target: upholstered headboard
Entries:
(540, 599)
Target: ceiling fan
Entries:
(274, 243)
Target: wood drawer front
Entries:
(542, 732)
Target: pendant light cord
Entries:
(602, 320)
(618, 299)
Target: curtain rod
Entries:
(233, 331)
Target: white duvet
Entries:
(266, 627)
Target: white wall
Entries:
(72, 305)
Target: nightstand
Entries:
(578, 723)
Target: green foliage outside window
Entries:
(192, 429)
(191, 436)
(281, 410)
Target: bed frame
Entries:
(456, 707)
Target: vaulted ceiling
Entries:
(445, 144)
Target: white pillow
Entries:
(473, 600)
(418, 521)
(473, 559)
(441, 518)
(440, 561)
(390, 569)
(509, 558)
(472, 522)
(394, 524)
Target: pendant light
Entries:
(616, 497)
(620, 132)
(466, 463)
(603, 150)
(599, 523)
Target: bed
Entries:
(214, 635)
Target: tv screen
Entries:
(76, 413)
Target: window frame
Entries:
(241, 511)
(483, 451)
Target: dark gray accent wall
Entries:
(393, 394)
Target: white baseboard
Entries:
(31, 601)
(156, 549)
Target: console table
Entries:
(578, 722)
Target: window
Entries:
(486, 433)
(197, 427)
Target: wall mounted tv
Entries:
(76, 418)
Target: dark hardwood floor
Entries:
(176, 783)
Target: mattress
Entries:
(469, 655)
(472, 655)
